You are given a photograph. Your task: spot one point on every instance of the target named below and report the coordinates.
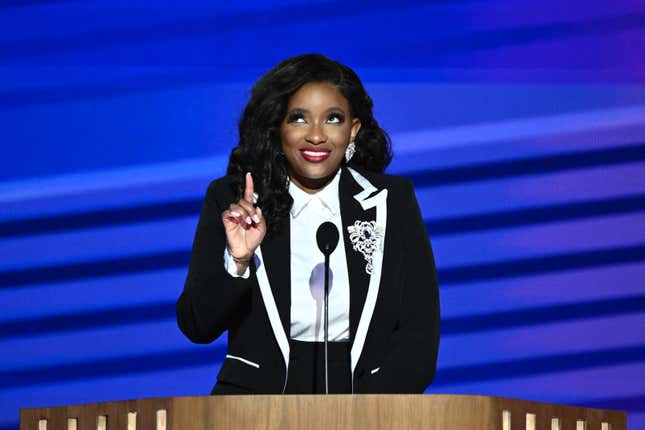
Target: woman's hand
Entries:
(245, 227)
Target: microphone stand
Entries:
(326, 323)
(327, 237)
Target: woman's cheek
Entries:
(290, 139)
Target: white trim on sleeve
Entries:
(243, 360)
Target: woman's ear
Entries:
(356, 126)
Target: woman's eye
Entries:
(336, 118)
(296, 117)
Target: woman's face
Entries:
(315, 133)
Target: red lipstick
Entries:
(315, 155)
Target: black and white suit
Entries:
(394, 311)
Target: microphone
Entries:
(327, 237)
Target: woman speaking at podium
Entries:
(310, 151)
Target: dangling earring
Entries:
(349, 151)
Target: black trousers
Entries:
(307, 368)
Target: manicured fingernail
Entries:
(248, 220)
(235, 214)
(248, 173)
(256, 218)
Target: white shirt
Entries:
(307, 267)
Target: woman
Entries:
(311, 151)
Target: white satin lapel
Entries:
(271, 307)
(379, 201)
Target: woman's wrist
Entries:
(242, 259)
(241, 268)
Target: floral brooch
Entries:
(366, 238)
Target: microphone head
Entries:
(327, 237)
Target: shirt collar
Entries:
(328, 196)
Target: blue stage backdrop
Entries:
(522, 125)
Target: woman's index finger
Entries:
(248, 189)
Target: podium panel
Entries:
(319, 412)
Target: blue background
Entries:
(522, 125)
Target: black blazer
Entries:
(394, 311)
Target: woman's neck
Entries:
(311, 186)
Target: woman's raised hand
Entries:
(244, 224)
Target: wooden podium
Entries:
(312, 412)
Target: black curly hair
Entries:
(259, 150)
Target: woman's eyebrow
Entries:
(303, 110)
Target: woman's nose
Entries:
(316, 135)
